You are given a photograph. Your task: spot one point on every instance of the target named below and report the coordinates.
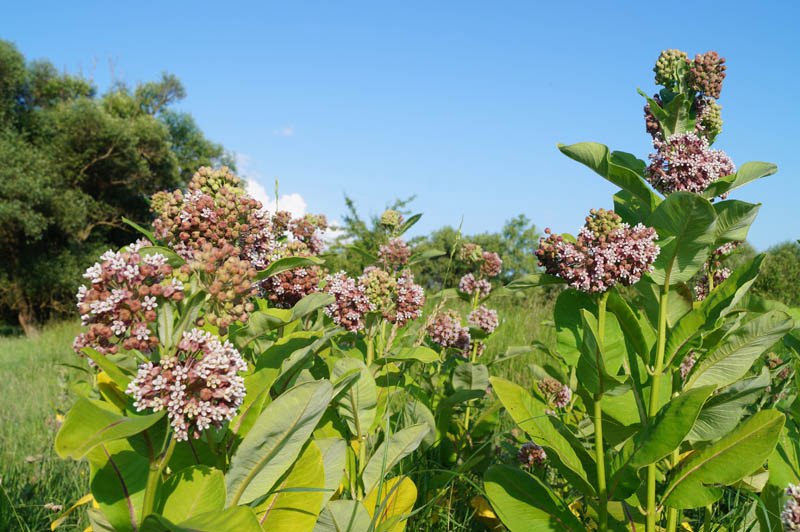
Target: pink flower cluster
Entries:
(706, 73)
(790, 516)
(199, 386)
(598, 260)
(394, 254)
(557, 394)
(531, 455)
(396, 296)
(447, 331)
(686, 162)
(484, 319)
(701, 288)
(470, 285)
(492, 265)
(120, 303)
(687, 364)
(351, 302)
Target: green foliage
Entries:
(779, 274)
(74, 164)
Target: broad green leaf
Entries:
(531, 416)
(419, 353)
(622, 169)
(723, 412)
(257, 387)
(699, 478)
(343, 516)
(734, 219)
(357, 405)
(671, 425)
(390, 452)
(298, 497)
(287, 263)
(397, 498)
(749, 171)
(334, 458)
(688, 222)
(731, 360)
(567, 317)
(534, 280)
(717, 304)
(631, 209)
(275, 441)
(90, 423)
(526, 504)
(311, 303)
(470, 376)
(238, 518)
(106, 364)
(600, 361)
(117, 477)
(191, 492)
(679, 303)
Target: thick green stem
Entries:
(370, 350)
(473, 355)
(600, 456)
(157, 466)
(655, 393)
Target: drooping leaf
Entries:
(333, 460)
(534, 280)
(531, 416)
(90, 423)
(117, 477)
(699, 478)
(470, 376)
(275, 441)
(734, 356)
(525, 504)
(734, 219)
(622, 169)
(390, 452)
(419, 353)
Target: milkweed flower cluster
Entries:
(351, 302)
(701, 288)
(484, 319)
(391, 219)
(790, 516)
(446, 330)
(285, 289)
(531, 455)
(393, 294)
(557, 394)
(121, 300)
(468, 284)
(198, 386)
(686, 162)
(706, 73)
(606, 252)
(394, 254)
(687, 364)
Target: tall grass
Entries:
(34, 392)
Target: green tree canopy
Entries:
(75, 163)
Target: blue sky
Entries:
(461, 103)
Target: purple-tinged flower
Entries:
(492, 264)
(531, 455)
(686, 162)
(394, 254)
(351, 302)
(470, 285)
(599, 259)
(198, 386)
(409, 299)
(447, 331)
(790, 516)
(484, 318)
(557, 394)
(120, 302)
(701, 288)
(687, 364)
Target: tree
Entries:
(75, 163)
(779, 274)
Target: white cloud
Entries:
(293, 202)
(285, 131)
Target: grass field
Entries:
(37, 376)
